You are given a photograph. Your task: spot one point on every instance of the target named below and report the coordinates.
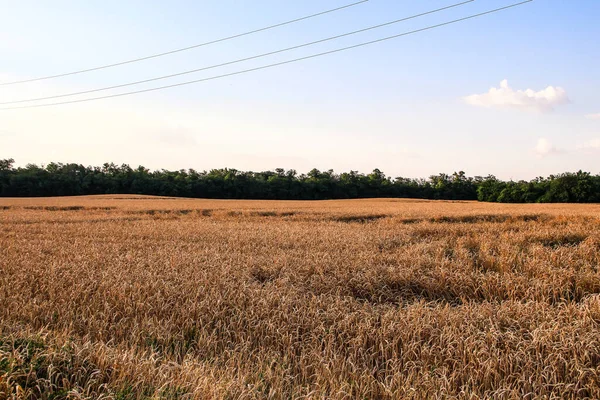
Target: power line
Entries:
(276, 64)
(186, 48)
(279, 63)
(239, 60)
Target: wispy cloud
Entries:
(526, 100)
(593, 144)
(178, 136)
(593, 116)
(545, 148)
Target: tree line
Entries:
(58, 179)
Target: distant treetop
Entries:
(58, 179)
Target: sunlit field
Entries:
(131, 297)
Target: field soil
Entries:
(136, 297)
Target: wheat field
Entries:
(133, 297)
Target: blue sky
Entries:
(399, 105)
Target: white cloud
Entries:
(177, 136)
(593, 144)
(526, 100)
(593, 116)
(545, 148)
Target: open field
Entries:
(126, 297)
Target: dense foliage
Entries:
(57, 179)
